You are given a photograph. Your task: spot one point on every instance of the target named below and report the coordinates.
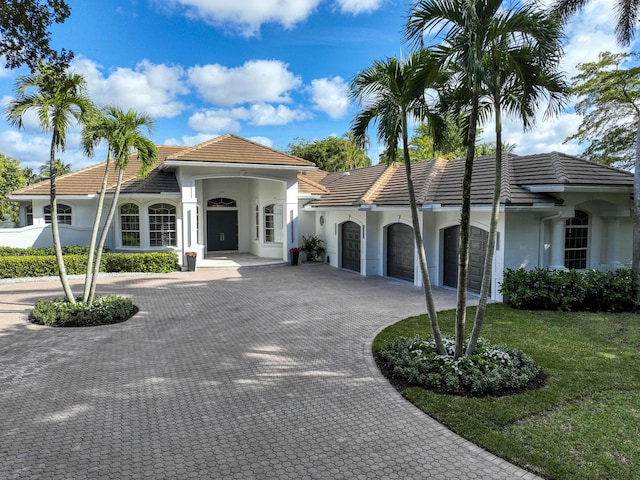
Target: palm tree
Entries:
(472, 30)
(61, 169)
(121, 131)
(390, 92)
(58, 99)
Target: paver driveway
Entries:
(251, 373)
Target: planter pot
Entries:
(295, 258)
(191, 263)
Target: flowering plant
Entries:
(191, 254)
(294, 249)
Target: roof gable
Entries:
(233, 149)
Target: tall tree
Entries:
(58, 100)
(609, 102)
(391, 92)
(627, 15)
(61, 169)
(331, 154)
(469, 30)
(11, 178)
(24, 32)
(122, 132)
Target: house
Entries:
(231, 194)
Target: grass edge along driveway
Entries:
(584, 424)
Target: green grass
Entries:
(584, 424)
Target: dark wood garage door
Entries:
(477, 253)
(400, 251)
(351, 246)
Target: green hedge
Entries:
(594, 291)
(46, 266)
(104, 311)
(43, 251)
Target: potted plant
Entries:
(191, 261)
(295, 255)
(313, 247)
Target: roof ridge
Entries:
(558, 168)
(433, 178)
(380, 183)
(313, 183)
(507, 178)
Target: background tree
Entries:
(331, 154)
(58, 100)
(627, 16)
(121, 131)
(390, 93)
(11, 178)
(60, 167)
(609, 102)
(24, 32)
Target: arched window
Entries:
(576, 241)
(222, 202)
(64, 214)
(162, 225)
(273, 223)
(130, 225)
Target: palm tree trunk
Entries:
(636, 213)
(62, 269)
(103, 237)
(422, 257)
(491, 244)
(88, 281)
(465, 227)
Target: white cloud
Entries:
(244, 16)
(261, 115)
(254, 81)
(331, 96)
(190, 140)
(149, 88)
(267, 142)
(359, 6)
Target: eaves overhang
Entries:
(22, 198)
(559, 188)
(239, 166)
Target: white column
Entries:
(557, 244)
(291, 217)
(613, 244)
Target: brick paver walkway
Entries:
(250, 374)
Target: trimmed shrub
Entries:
(491, 370)
(104, 311)
(46, 266)
(595, 291)
(43, 251)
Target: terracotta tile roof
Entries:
(440, 182)
(233, 149)
(87, 181)
(307, 185)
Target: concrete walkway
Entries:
(251, 373)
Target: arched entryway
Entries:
(477, 253)
(222, 224)
(351, 246)
(400, 252)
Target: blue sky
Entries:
(268, 70)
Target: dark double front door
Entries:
(222, 230)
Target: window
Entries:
(64, 214)
(576, 241)
(28, 214)
(222, 202)
(273, 223)
(162, 225)
(130, 225)
(257, 222)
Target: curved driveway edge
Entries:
(251, 374)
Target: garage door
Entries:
(477, 252)
(400, 251)
(351, 246)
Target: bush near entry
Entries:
(571, 291)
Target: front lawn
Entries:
(585, 423)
